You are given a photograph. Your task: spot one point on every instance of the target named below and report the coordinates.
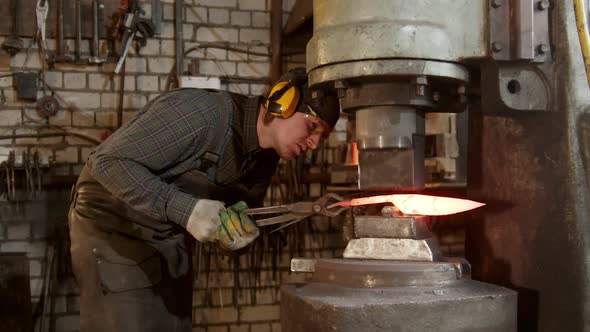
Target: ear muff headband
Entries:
(285, 97)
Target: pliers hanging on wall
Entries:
(41, 11)
(297, 211)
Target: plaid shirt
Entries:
(165, 140)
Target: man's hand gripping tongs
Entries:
(295, 212)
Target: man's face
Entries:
(298, 133)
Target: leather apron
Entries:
(134, 272)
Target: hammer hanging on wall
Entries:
(13, 44)
(60, 56)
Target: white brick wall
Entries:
(75, 81)
(25, 141)
(10, 117)
(135, 65)
(254, 35)
(68, 155)
(63, 118)
(196, 14)
(134, 101)
(259, 49)
(129, 83)
(167, 30)
(216, 3)
(167, 47)
(106, 119)
(152, 47)
(259, 89)
(83, 119)
(209, 34)
(240, 18)
(252, 5)
(167, 12)
(160, 65)
(109, 100)
(54, 79)
(218, 16)
(253, 69)
(237, 56)
(99, 82)
(33, 62)
(216, 53)
(217, 68)
(88, 99)
(147, 83)
(261, 19)
(238, 88)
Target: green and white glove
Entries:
(205, 220)
(237, 229)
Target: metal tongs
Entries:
(297, 211)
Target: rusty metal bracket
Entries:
(519, 30)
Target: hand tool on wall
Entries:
(157, 16)
(10, 171)
(13, 44)
(6, 180)
(176, 72)
(78, 28)
(297, 211)
(97, 14)
(178, 41)
(60, 49)
(37, 167)
(59, 56)
(30, 171)
(135, 27)
(27, 176)
(41, 11)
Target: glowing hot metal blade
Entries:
(417, 204)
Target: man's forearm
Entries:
(135, 185)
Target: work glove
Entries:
(205, 220)
(237, 230)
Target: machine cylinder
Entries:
(380, 127)
(391, 144)
(352, 30)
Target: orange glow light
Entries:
(352, 157)
(418, 204)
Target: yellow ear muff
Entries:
(286, 104)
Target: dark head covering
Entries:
(324, 103)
